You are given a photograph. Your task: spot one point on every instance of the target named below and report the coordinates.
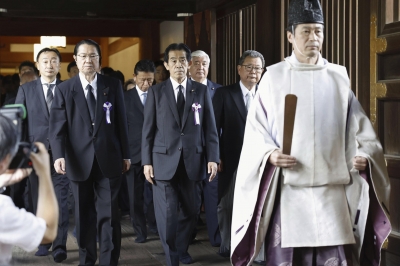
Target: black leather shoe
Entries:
(185, 258)
(225, 254)
(140, 239)
(59, 255)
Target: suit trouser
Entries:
(149, 205)
(61, 187)
(210, 192)
(225, 207)
(135, 179)
(176, 204)
(101, 194)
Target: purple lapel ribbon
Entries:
(196, 108)
(107, 107)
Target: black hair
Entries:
(88, 42)
(158, 63)
(177, 47)
(46, 49)
(28, 64)
(128, 82)
(118, 75)
(8, 137)
(253, 54)
(71, 65)
(107, 71)
(144, 65)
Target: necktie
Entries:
(49, 95)
(91, 102)
(249, 100)
(180, 102)
(144, 98)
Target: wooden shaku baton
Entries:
(288, 123)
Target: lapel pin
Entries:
(212, 88)
(105, 94)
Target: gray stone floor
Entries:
(146, 254)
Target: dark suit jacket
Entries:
(73, 137)
(134, 114)
(163, 140)
(37, 121)
(212, 87)
(230, 117)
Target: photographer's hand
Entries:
(12, 176)
(59, 165)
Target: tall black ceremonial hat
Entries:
(305, 11)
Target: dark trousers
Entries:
(149, 206)
(135, 179)
(61, 187)
(176, 204)
(225, 207)
(210, 194)
(101, 194)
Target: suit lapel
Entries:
(102, 96)
(237, 96)
(190, 92)
(80, 101)
(169, 93)
(40, 95)
(136, 100)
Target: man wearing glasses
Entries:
(179, 139)
(231, 104)
(89, 140)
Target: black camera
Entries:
(17, 114)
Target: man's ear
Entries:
(290, 36)
(166, 65)
(238, 69)
(134, 77)
(74, 56)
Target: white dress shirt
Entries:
(141, 94)
(45, 87)
(85, 83)
(175, 86)
(245, 91)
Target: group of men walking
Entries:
(304, 207)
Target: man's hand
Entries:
(148, 173)
(12, 176)
(126, 164)
(360, 163)
(279, 159)
(59, 165)
(220, 166)
(212, 168)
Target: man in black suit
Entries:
(135, 100)
(179, 137)
(37, 96)
(89, 140)
(230, 106)
(198, 69)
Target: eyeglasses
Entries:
(90, 56)
(142, 81)
(249, 68)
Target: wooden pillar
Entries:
(104, 51)
(149, 42)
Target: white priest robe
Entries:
(321, 196)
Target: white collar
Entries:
(139, 91)
(246, 90)
(45, 82)
(176, 84)
(85, 82)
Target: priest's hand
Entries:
(360, 163)
(148, 173)
(279, 159)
